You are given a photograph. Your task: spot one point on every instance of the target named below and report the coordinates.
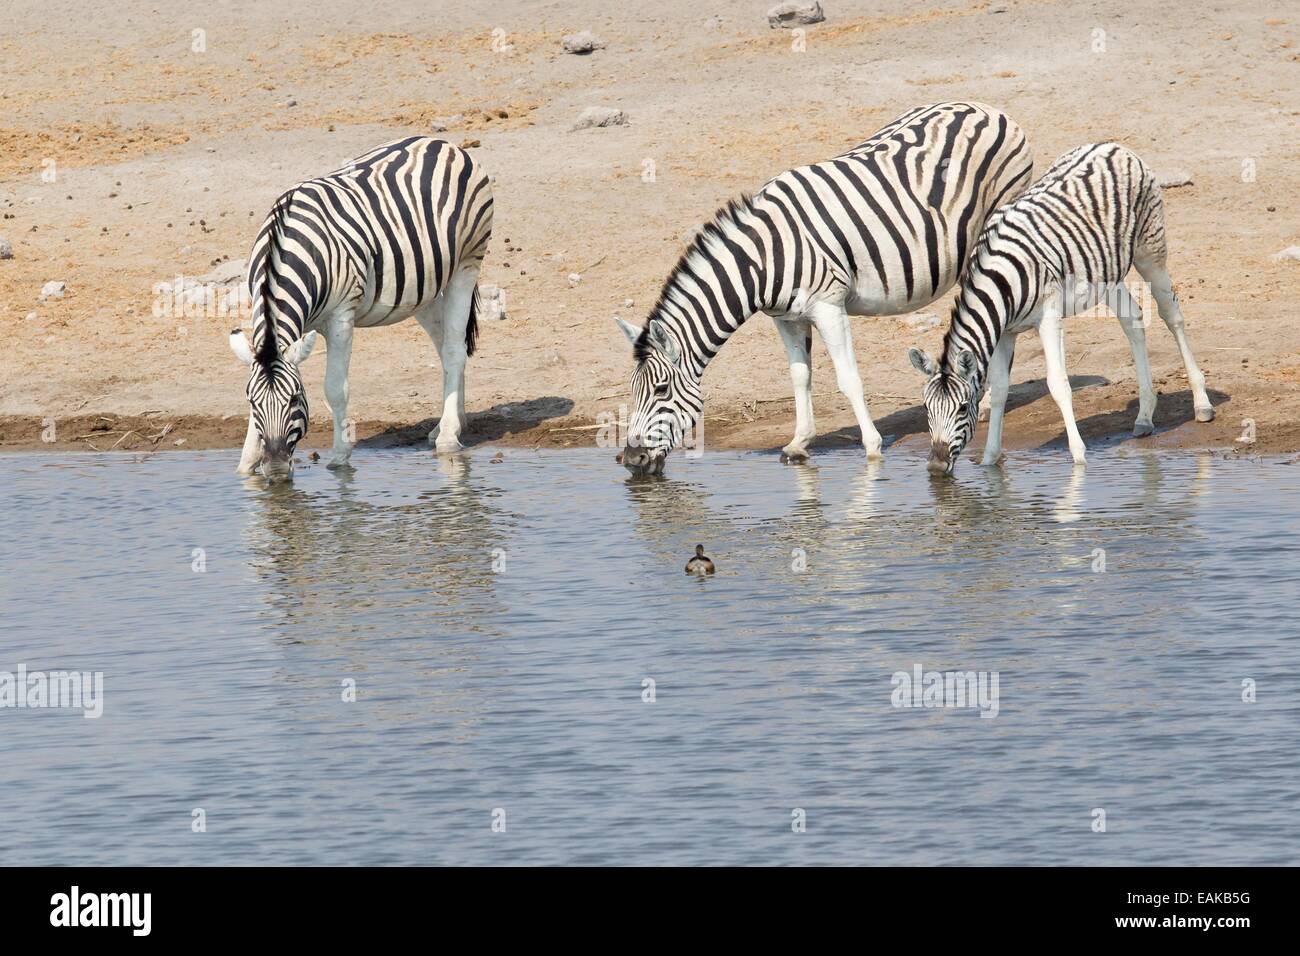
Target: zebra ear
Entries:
(631, 331)
(239, 345)
(922, 362)
(966, 364)
(300, 350)
(665, 343)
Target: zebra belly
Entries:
(870, 298)
(379, 315)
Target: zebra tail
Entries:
(471, 327)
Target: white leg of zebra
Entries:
(1162, 288)
(338, 356)
(999, 385)
(430, 318)
(455, 319)
(833, 324)
(1129, 314)
(1051, 331)
(796, 336)
(252, 453)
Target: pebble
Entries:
(53, 290)
(31, 316)
(787, 14)
(584, 42)
(923, 322)
(1291, 253)
(1174, 178)
(599, 117)
(6, 248)
(492, 302)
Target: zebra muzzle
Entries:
(940, 462)
(643, 461)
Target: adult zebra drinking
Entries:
(882, 229)
(398, 232)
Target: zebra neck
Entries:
(975, 330)
(712, 292)
(285, 323)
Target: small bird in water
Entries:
(498, 458)
(700, 564)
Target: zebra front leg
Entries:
(338, 356)
(453, 352)
(1129, 314)
(833, 324)
(1052, 333)
(1162, 288)
(796, 335)
(999, 385)
(252, 452)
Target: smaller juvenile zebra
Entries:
(1061, 248)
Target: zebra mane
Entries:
(269, 348)
(725, 223)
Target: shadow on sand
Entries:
(495, 423)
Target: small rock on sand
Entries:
(53, 290)
(597, 117)
(1174, 178)
(793, 14)
(492, 302)
(230, 272)
(1289, 253)
(31, 316)
(6, 248)
(581, 43)
(922, 322)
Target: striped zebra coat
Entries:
(400, 232)
(1061, 248)
(881, 229)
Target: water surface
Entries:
(500, 621)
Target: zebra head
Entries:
(278, 400)
(666, 398)
(952, 398)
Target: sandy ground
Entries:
(164, 159)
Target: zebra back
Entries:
(1082, 222)
(884, 228)
(382, 234)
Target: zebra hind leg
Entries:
(1129, 314)
(454, 351)
(430, 318)
(1162, 289)
(796, 335)
(833, 324)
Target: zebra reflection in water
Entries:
(333, 556)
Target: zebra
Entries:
(1061, 248)
(398, 232)
(879, 230)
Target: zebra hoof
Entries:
(1142, 429)
(1205, 414)
(790, 455)
(448, 447)
(338, 463)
